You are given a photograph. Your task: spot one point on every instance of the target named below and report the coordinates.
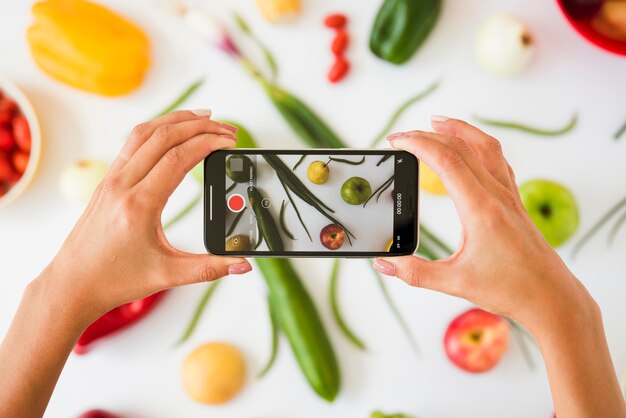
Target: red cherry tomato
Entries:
(21, 132)
(339, 70)
(8, 175)
(335, 21)
(340, 43)
(7, 140)
(20, 161)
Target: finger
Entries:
(418, 272)
(487, 148)
(165, 138)
(171, 169)
(140, 133)
(189, 268)
(460, 182)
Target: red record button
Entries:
(236, 203)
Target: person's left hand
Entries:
(117, 252)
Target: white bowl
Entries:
(11, 90)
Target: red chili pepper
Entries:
(115, 320)
(339, 70)
(335, 21)
(340, 43)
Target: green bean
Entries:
(529, 129)
(386, 183)
(596, 227)
(235, 222)
(274, 347)
(230, 188)
(620, 132)
(382, 160)
(296, 209)
(298, 163)
(282, 221)
(342, 160)
(334, 305)
(398, 112)
(181, 99)
(197, 313)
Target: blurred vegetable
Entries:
(267, 224)
(610, 21)
(340, 42)
(115, 320)
(279, 11)
(341, 66)
(79, 180)
(88, 46)
(530, 129)
(582, 8)
(269, 58)
(299, 321)
(335, 21)
(339, 70)
(214, 373)
(98, 413)
(378, 414)
(181, 99)
(283, 226)
(599, 224)
(15, 143)
(401, 27)
(430, 181)
(274, 339)
(197, 313)
(620, 132)
(334, 305)
(504, 45)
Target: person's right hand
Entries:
(503, 263)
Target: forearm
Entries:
(36, 348)
(581, 372)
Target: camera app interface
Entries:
(314, 202)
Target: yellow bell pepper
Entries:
(276, 11)
(88, 46)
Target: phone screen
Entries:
(311, 203)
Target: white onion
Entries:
(504, 45)
(79, 180)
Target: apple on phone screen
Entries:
(311, 203)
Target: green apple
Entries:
(553, 209)
(356, 190)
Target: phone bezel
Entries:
(214, 217)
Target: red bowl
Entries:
(583, 27)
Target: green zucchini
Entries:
(298, 319)
(267, 224)
(401, 27)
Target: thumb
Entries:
(415, 271)
(196, 268)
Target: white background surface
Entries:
(372, 225)
(137, 372)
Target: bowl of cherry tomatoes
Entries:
(20, 142)
(601, 22)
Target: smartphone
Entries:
(311, 203)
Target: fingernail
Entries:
(438, 118)
(239, 268)
(384, 267)
(396, 136)
(229, 127)
(202, 112)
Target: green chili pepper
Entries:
(274, 347)
(266, 222)
(401, 27)
(299, 321)
(530, 129)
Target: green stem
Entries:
(180, 99)
(530, 129)
(184, 211)
(396, 313)
(400, 110)
(616, 228)
(343, 326)
(596, 227)
(520, 335)
(197, 313)
(620, 132)
(274, 348)
(432, 237)
(269, 57)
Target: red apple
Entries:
(476, 340)
(332, 236)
